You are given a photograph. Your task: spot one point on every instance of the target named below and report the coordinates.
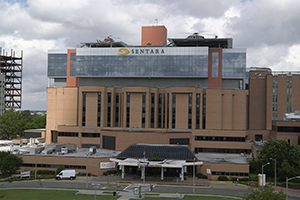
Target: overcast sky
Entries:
(269, 29)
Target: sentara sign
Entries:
(107, 165)
(142, 51)
(145, 51)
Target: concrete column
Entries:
(162, 174)
(123, 173)
(182, 174)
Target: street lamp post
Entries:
(287, 180)
(95, 185)
(275, 171)
(87, 170)
(194, 176)
(263, 173)
(35, 165)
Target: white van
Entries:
(66, 174)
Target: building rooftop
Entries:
(223, 158)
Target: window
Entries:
(258, 137)
(99, 110)
(288, 141)
(117, 109)
(204, 111)
(190, 111)
(219, 150)
(67, 134)
(128, 110)
(173, 109)
(159, 110)
(143, 109)
(108, 108)
(152, 109)
(215, 64)
(197, 111)
(83, 108)
(93, 135)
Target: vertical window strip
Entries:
(204, 111)
(83, 107)
(159, 110)
(152, 109)
(173, 109)
(108, 109)
(190, 111)
(117, 109)
(164, 111)
(99, 110)
(215, 64)
(143, 109)
(168, 109)
(197, 111)
(128, 109)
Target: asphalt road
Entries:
(81, 184)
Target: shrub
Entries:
(222, 178)
(199, 175)
(50, 172)
(59, 169)
(244, 179)
(233, 179)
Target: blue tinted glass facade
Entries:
(141, 66)
(57, 65)
(234, 65)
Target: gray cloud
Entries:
(268, 29)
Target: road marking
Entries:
(127, 187)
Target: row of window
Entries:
(219, 150)
(54, 166)
(213, 138)
(68, 134)
(229, 173)
(75, 134)
(285, 129)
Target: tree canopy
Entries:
(9, 163)
(13, 123)
(264, 193)
(287, 159)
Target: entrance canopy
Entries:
(156, 155)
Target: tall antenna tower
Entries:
(11, 67)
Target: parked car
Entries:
(66, 174)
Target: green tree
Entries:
(9, 163)
(281, 150)
(262, 193)
(11, 124)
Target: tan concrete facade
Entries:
(225, 115)
(50, 162)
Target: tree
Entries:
(9, 163)
(11, 124)
(286, 155)
(264, 193)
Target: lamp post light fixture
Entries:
(287, 180)
(87, 170)
(263, 183)
(275, 171)
(95, 185)
(194, 175)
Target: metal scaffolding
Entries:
(11, 66)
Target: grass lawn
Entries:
(70, 195)
(49, 195)
(190, 198)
